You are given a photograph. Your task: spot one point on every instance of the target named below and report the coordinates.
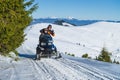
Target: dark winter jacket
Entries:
(50, 32)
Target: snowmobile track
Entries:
(89, 70)
(46, 71)
(54, 69)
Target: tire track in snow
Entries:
(47, 72)
(69, 72)
(83, 70)
(14, 73)
(92, 71)
(52, 70)
(79, 70)
(7, 73)
(59, 72)
(55, 74)
(19, 73)
(60, 69)
(40, 72)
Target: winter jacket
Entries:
(50, 32)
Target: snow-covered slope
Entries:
(78, 40)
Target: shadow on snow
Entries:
(32, 56)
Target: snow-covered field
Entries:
(76, 40)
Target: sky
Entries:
(80, 9)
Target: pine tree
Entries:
(15, 16)
(104, 56)
(114, 61)
(117, 62)
(85, 55)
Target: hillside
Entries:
(78, 40)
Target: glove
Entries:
(52, 31)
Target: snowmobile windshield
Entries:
(46, 38)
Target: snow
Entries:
(66, 68)
(8, 58)
(66, 24)
(76, 40)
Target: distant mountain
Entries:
(64, 23)
(72, 21)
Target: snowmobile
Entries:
(46, 48)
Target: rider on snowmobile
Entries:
(48, 31)
(46, 34)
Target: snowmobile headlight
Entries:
(43, 44)
(49, 43)
(41, 48)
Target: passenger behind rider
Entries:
(47, 30)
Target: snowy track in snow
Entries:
(87, 70)
(52, 69)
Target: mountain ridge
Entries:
(72, 21)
